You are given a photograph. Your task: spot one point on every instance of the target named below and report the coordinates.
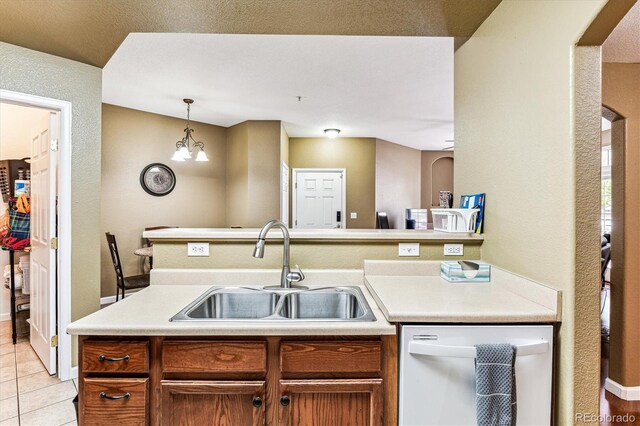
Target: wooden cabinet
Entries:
(331, 402)
(230, 381)
(115, 401)
(212, 403)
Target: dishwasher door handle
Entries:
(421, 348)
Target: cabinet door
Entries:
(331, 402)
(220, 403)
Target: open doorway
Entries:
(29, 184)
(36, 186)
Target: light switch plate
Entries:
(409, 249)
(453, 249)
(354, 215)
(197, 249)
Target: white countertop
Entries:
(414, 292)
(309, 234)
(147, 313)
(431, 299)
(396, 291)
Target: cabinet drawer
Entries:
(115, 356)
(214, 357)
(331, 357)
(115, 401)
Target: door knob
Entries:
(284, 400)
(257, 402)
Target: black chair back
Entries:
(115, 258)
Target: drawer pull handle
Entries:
(284, 400)
(103, 395)
(106, 358)
(257, 402)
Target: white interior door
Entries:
(43, 228)
(318, 199)
(284, 196)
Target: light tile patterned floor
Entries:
(28, 395)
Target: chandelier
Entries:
(184, 146)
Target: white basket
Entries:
(454, 220)
(26, 281)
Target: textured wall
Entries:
(133, 139)
(621, 93)
(398, 177)
(28, 71)
(358, 156)
(515, 107)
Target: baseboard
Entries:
(628, 393)
(107, 300)
(5, 317)
(112, 299)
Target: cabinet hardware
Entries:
(106, 358)
(284, 400)
(103, 395)
(257, 402)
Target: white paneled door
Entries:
(43, 229)
(319, 198)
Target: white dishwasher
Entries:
(437, 372)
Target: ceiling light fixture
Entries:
(183, 147)
(332, 133)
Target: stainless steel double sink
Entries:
(280, 304)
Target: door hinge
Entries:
(54, 243)
(54, 145)
(296, 222)
(296, 185)
(54, 341)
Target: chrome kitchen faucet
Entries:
(287, 277)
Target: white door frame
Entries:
(65, 370)
(294, 196)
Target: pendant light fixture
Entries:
(183, 147)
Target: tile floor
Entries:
(28, 395)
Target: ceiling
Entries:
(395, 88)
(623, 44)
(90, 31)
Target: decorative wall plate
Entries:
(157, 179)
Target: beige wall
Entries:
(253, 173)
(237, 183)
(621, 93)
(16, 124)
(442, 176)
(133, 139)
(397, 181)
(514, 106)
(264, 172)
(307, 254)
(358, 156)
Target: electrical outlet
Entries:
(197, 249)
(354, 215)
(453, 249)
(409, 249)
